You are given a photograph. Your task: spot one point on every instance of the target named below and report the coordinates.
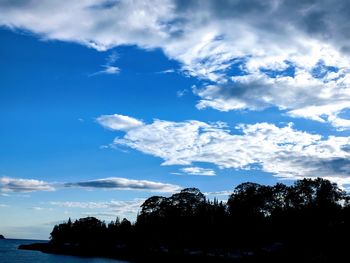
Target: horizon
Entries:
(106, 103)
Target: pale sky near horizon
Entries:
(104, 103)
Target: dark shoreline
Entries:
(133, 255)
(74, 250)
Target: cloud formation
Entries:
(281, 151)
(303, 96)
(8, 184)
(118, 122)
(117, 183)
(293, 55)
(109, 70)
(109, 67)
(24, 185)
(110, 208)
(198, 171)
(98, 205)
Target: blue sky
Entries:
(145, 100)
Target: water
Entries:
(10, 254)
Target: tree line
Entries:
(309, 220)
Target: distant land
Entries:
(304, 222)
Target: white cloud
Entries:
(3, 205)
(38, 208)
(181, 93)
(109, 70)
(219, 41)
(282, 151)
(301, 96)
(109, 208)
(8, 184)
(118, 122)
(112, 58)
(198, 171)
(109, 67)
(98, 205)
(219, 193)
(24, 185)
(167, 71)
(117, 183)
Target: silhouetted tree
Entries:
(309, 219)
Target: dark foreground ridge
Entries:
(306, 222)
(2, 237)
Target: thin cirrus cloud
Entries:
(114, 183)
(108, 209)
(109, 70)
(119, 207)
(282, 151)
(293, 55)
(109, 67)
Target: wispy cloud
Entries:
(198, 171)
(110, 208)
(38, 208)
(282, 151)
(8, 184)
(113, 183)
(117, 183)
(181, 93)
(109, 68)
(167, 71)
(112, 58)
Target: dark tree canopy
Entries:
(307, 219)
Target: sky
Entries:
(104, 103)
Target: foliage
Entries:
(309, 218)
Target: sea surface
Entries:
(10, 254)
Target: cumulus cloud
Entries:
(198, 171)
(24, 185)
(219, 41)
(281, 151)
(118, 122)
(302, 95)
(117, 183)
